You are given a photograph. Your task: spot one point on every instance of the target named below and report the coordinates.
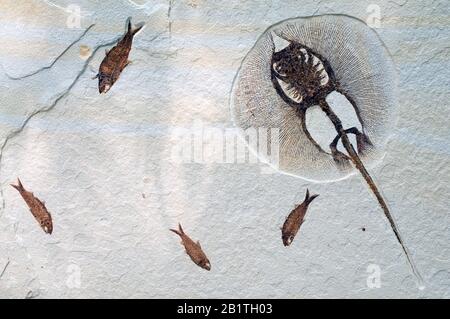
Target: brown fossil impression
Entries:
(295, 219)
(37, 208)
(193, 249)
(116, 60)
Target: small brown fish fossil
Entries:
(295, 219)
(194, 250)
(115, 60)
(37, 208)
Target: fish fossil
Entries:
(295, 219)
(37, 208)
(193, 249)
(324, 54)
(116, 60)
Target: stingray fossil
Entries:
(322, 54)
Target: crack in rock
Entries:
(4, 269)
(153, 54)
(16, 132)
(47, 67)
(169, 16)
(319, 6)
(435, 55)
(399, 4)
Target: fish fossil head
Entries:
(205, 264)
(104, 83)
(47, 225)
(300, 73)
(287, 238)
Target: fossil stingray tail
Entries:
(373, 187)
(360, 166)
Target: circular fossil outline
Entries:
(371, 54)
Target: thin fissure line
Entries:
(54, 61)
(4, 269)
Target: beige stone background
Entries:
(103, 163)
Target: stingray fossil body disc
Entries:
(362, 69)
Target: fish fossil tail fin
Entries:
(132, 31)
(19, 186)
(137, 29)
(180, 228)
(175, 231)
(179, 232)
(309, 198)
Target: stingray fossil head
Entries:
(323, 54)
(301, 75)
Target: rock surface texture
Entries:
(108, 169)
